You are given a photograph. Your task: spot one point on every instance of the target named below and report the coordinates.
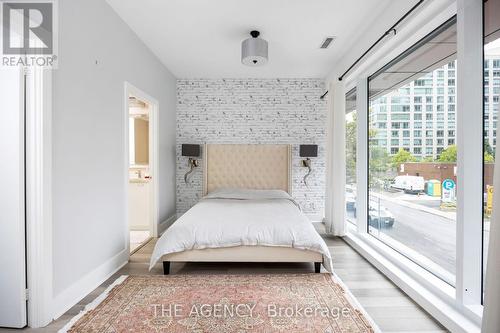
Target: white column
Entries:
(335, 179)
(39, 195)
(362, 155)
(470, 152)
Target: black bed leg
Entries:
(317, 267)
(166, 267)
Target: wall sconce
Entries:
(308, 151)
(190, 151)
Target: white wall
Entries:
(12, 222)
(254, 111)
(97, 53)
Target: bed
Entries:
(246, 214)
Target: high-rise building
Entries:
(420, 116)
(491, 98)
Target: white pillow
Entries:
(247, 194)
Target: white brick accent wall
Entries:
(254, 111)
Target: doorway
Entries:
(141, 168)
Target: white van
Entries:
(409, 184)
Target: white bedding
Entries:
(226, 218)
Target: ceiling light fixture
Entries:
(254, 50)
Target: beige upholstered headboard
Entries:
(260, 167)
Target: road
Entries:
(430, 235)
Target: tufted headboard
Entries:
(260, 167)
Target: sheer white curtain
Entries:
(491, 313)
(335, 165)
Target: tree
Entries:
(380, 161)
(379, 166)
(488, 149)
(488, 158)
(401, 157)
(428, 159)
(350, 147)
(449, 155)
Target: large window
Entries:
(490, 110)
(350, 150)
(428, 133)
(412, 177)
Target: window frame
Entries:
(457, 307)
(437, 135)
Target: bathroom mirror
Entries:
(138, 133)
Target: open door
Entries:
(140, 185)
(141, 165)
(12, 200)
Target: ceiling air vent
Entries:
(326, 43)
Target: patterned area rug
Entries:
(224, 304)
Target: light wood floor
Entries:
(390, 308)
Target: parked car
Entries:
(409, 184)
(350, 199)
(379, 216)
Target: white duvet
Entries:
(226, 218)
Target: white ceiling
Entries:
(202, 38)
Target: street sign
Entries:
(489, 199)
(448, 184)
(448, 192)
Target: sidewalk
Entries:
(448, 215)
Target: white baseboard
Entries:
(165, 224)
(84, 286)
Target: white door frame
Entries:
(130, 89)
(39, 187)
